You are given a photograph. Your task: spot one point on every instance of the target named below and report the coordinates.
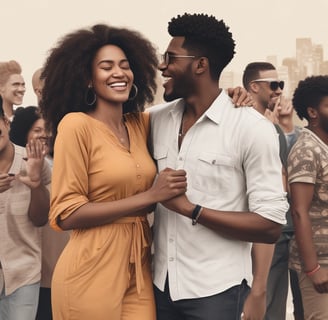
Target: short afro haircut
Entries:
(309, 93)
(252, 72)
(205, 36)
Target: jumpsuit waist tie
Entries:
(139, 242)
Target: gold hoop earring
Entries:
(135, 92)
(90, 97)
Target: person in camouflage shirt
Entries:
(308, 181)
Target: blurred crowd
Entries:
(210, 205)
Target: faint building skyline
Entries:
(31, 28)
(307, 61)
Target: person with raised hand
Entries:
(24, 207)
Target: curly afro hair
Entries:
(22, 123)
(67, 71)
(309, 93)
(205, 36)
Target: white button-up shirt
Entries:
(231, 156)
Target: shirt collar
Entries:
(216, 110)
(177, 108)
(211, 113)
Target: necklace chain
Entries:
(181, 132)
(122, 138)
(119, 134)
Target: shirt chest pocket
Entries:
(160, 154)
(214, 173)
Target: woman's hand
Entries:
(36, 151)
(169, 183)
(240, 97)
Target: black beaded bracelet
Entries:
(196, 214)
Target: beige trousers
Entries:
(315, 304)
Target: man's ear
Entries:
(253, 87)
(202, 65)
(312, 112)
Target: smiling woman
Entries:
(102, 187)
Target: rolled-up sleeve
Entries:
(69, 187)
(263, 170)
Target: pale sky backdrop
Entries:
(29, 28)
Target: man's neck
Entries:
(196, 105)
(259, 108)
(322, 134)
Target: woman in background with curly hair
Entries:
(24, 206)
(28, 123)
(97, 82)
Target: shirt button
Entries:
(171, 240)
(171, 259)
(180, 158)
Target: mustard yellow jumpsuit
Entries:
(104, 272)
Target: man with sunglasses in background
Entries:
(261, 80)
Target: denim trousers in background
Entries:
(22, 304)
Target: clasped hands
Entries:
(170, 188)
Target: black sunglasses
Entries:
(274, 84)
